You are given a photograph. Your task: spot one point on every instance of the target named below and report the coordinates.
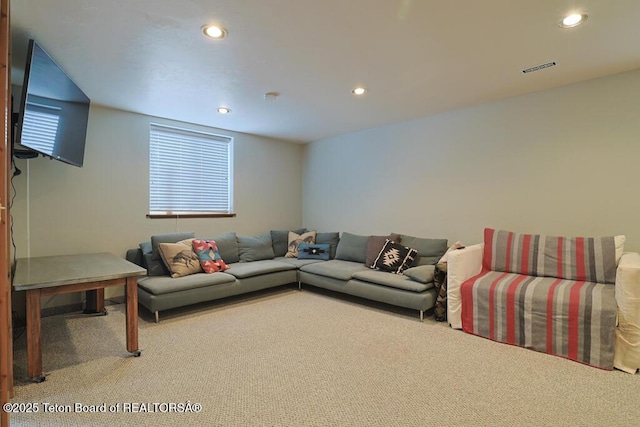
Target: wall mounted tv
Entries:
(53, 114)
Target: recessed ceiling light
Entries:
(573, 20)
(359, 91)
(214, 31)
(223, 110)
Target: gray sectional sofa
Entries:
(259, 262)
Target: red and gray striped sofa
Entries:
(573, 297)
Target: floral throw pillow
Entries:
(207, 252)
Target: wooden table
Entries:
(52, 275)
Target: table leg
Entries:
(95, 302)
(131, 295)
(34, 350)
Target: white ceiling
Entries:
(416, 57)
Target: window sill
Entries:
(190, 215)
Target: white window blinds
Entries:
(40, 127)
(189, 171)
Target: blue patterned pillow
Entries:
(314, 251)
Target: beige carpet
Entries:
(289, 358)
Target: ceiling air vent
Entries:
(539, 67)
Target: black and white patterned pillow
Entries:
(394, 257)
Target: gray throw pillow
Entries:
(429, 250)
(421, 273)
(352, 247)
(280, 240)
(155, 265)
(227, 247)
(255, 248)
(146, 250)
(146, 247)
(375, 244)
(332, 238)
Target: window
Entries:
(189, 173)
(40, 127)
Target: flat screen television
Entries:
(53, 114)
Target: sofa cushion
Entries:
(297, 263)
(145, 249)
(421, 273)
(160, 285)
(314, 251)
(335, 268)
(429, 250)
(332, 238)
(591, 259)
(243, 270)
(180, 258)
(568, 318)
(375, 244)
(352, 247)
(155, 266)
(398, 281)
(208, 255)
(255, 248)
(134, 255)
(280, 240)
(296, 239)
(227, 246)
(394, 257)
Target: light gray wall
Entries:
(560, 162)
(102, 206)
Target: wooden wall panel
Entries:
(6, 336)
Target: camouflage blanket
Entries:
(440, 283)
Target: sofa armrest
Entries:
(461, 265)
(135, 256)
(627, 347)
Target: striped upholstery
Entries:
(591, 259)
(567, 318)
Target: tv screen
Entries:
(53, 114)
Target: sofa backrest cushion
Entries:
(280, 240)
(227, 244)
(352, 247)
(332, 238)
(429, 250)
(590, 259)
(254, 248)
(155, 265)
